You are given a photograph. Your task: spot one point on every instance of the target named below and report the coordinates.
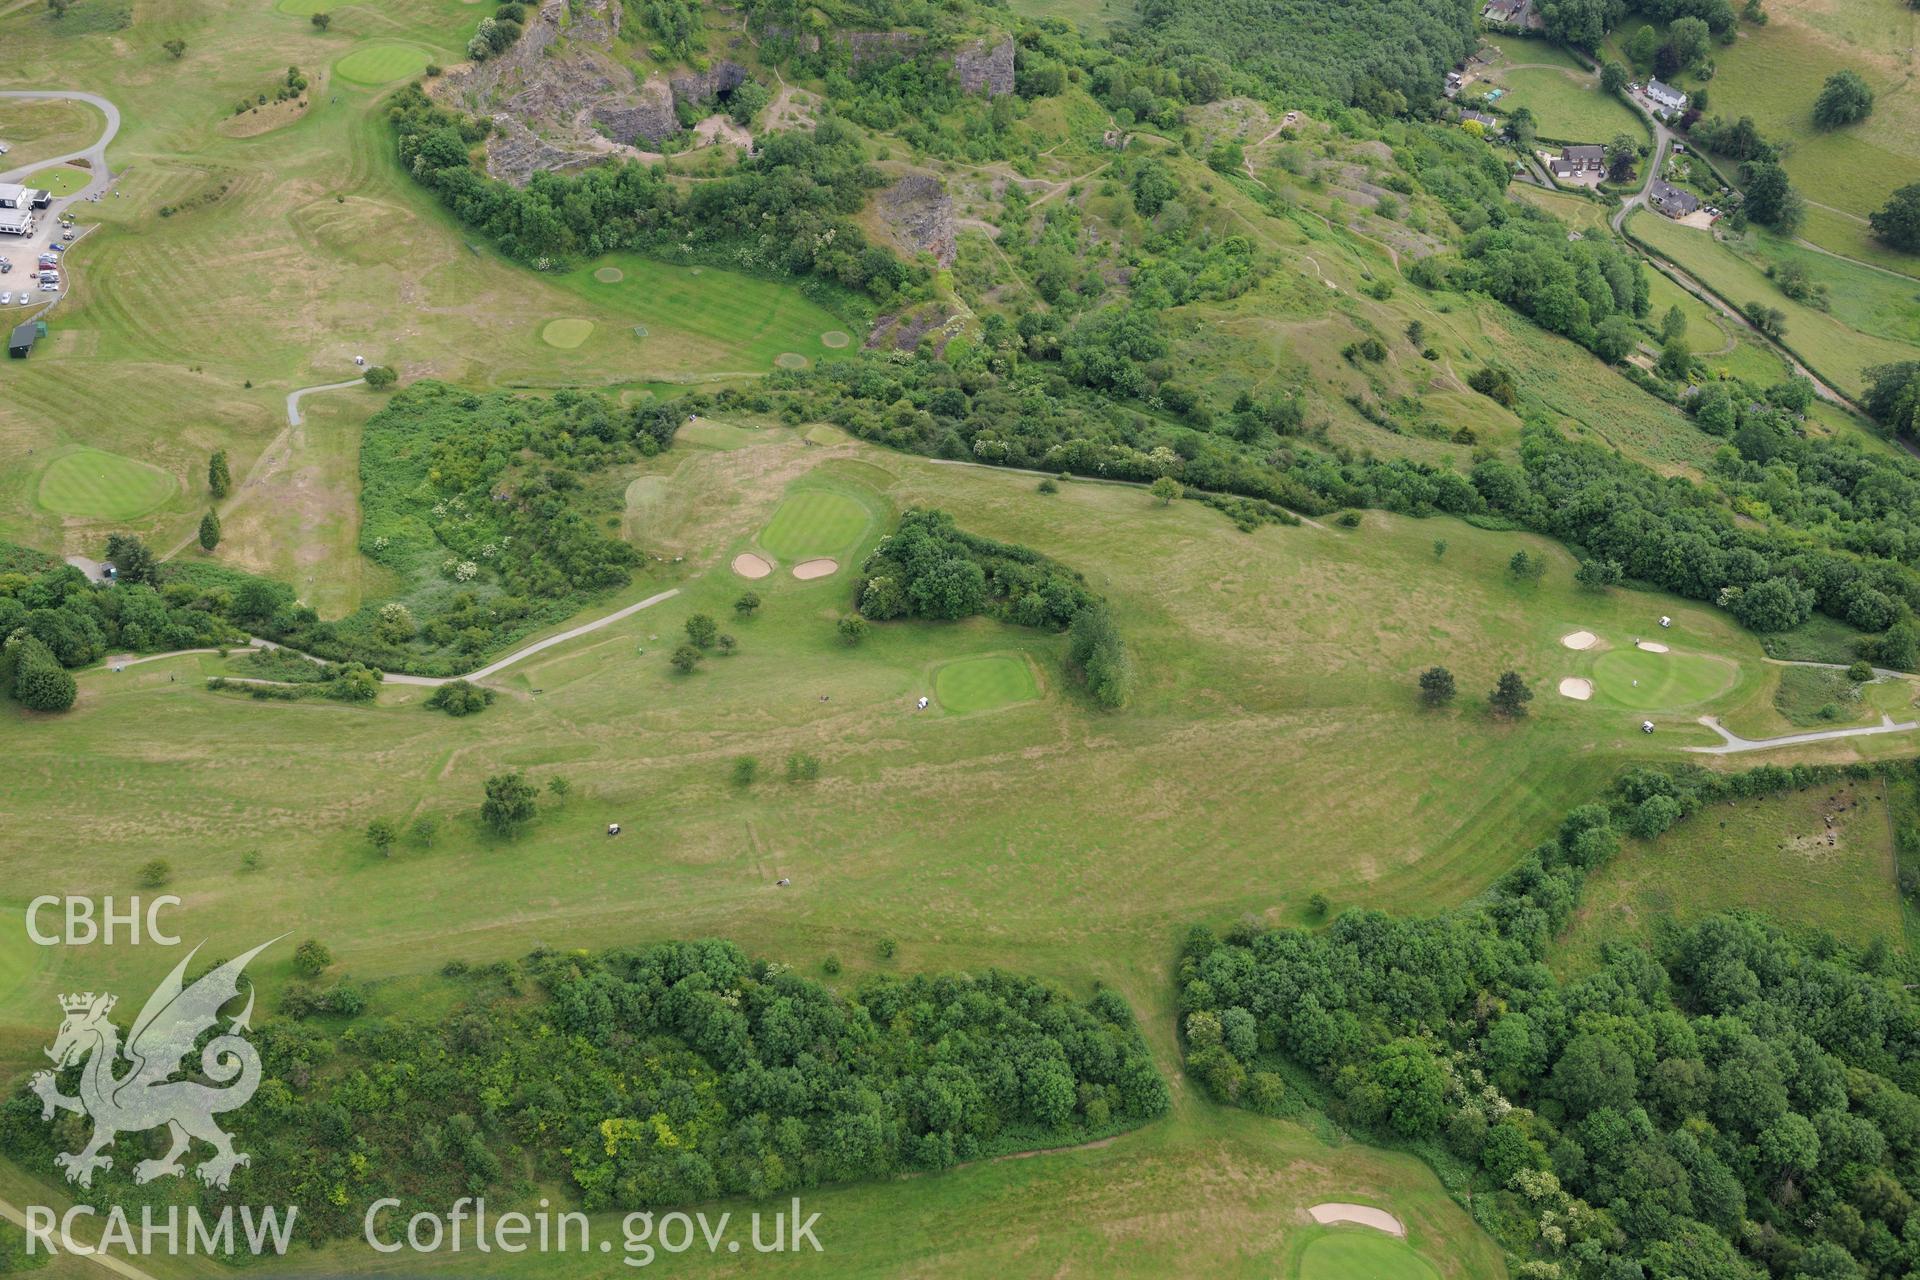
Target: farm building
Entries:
(22, 340)
(1671, 200)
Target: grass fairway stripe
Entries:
(1354, 1254)
(981, 684)
(566, 334)
(1667, 681)
(381, 64)
(816, 522)
(101, 485)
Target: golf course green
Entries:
(566, 334)
(104, 486)
(814, 522)
(1645, 681)
(1361, 1254)
(983, 683)
(382, 63)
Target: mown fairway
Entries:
(288, 253)
(734, 322)
(90, 483)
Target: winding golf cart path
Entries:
(1735, 743)
(95, 155)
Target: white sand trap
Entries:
(1579, 640)
(1365, 1215)
(1651, 646)
(1576, 688)
(748, 565)
(815, 569)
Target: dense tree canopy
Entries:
(1731, 1104)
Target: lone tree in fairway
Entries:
(703, 630)
(1166, 489)
(685, 659)
(209, 531)
(219, 480)
(380, 377)
(1845, 99)
(1510, 696)
(1436, 686)
(509, 803)
(176, 47)
(322, 21)
(381, 833)
(1527, 568)
(748, 604)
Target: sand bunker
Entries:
(1576, 688)
(1579, 640)
(748, 565)
(1651, 646)
(1365, 1215)
(815, 568)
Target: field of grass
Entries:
(102, 486)
(1833, 349)
(815, 522)
(1346, 1253)
(1568, 107)
(982, 684)
(1768, 855)
(37, 131)
(60, 180)
(1773, 73)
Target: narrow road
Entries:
(294, 416)
(1735, 743)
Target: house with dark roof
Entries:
(1489, 123)
(1583, 165)
(22, 340)
(1672, 200)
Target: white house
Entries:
(15, 196)
(1665, 96)
(16, 222)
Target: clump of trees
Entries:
(460, 698)
(929, 568)
(647, 1078)
(1680, 1111)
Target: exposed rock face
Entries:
(985, 68)
(722, 77)
(919, 213)
(558, 106)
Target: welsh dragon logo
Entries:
(145, 1097)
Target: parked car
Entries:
(6, 299)
(57, 247)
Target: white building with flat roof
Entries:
(16, 222)
(15, 196)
